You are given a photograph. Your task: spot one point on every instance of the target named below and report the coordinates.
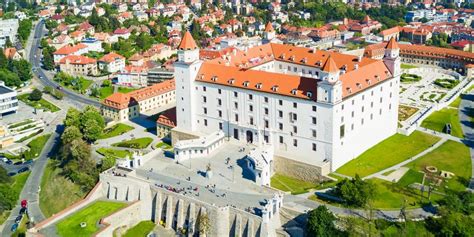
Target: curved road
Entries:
(39, 72)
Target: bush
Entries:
(48, 89)
(36, 95)
(355, 192)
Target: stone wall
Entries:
(178, 135)
(128, 217)
(299, 170)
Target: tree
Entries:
(70, 134)
(203, 224)
(23, 68)
(4, 178)
(3, 59)
(321, 223)
(24, 29)
(48, 89)
(106, 83)
(355, 192)
(107, 163)
(48, 59)
(35, 95)
(144, 41)
(73, 117)
(94, 18)
(78, 164)
(92, 123)
(11, 79)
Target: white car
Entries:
(4, 159)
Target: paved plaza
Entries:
(229, 184)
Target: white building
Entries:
(8, 100)
(93, 44)
(318, 109)
(8, 31)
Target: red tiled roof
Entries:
(269, 27)
(121, 101)
(77, 59)
(187, 42)
(68, 49)
(121, 31)
(110, 57)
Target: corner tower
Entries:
(330, 87)
(391, 57)
(186, 71)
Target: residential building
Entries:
(8, 100)
(67, 50)
(123, 107)
(8, 31)
(78, 65)
(112, 62)
(133, 76)
(317, 109)
(158, 75)
(165, 122)
(93, 44)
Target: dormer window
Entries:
(275, 88)
(282, 56)
(368, 81)
(259, 85)
(349, 90)
(293, 91)
(231, 81)
(377, 77)
(359, 85)
(246, 83)
(214, 78)
(309, 94)
(318, 63)
(292, 58)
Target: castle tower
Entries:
(186, 70)
(330, 88)
(392, 57)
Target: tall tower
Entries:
(330, 87)
(392, 57)
(186, 70)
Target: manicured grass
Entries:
(450, 156)
(289, 184)
(389, 152)
(163, 145)
(29, 136)
(126, 89)
(115, 153)
(116, 130)
(15, 125)
(438, 120)
(138, 143)
(106, 91)
(57, 192)
(411, 177)
(456, 102)
(407, 66)
(41, 104)
(36, 146)
(140, 230)
(90, 215)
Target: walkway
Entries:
(466, 116)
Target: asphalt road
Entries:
(39, 72)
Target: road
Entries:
(35, 58)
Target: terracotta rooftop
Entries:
(68, 49)
(121, 101)
(168, 118)
(330, 65)
(110, 57)
(187, 42)
(392, 44)
(269, 27)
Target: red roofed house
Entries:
(86, 27)
(464, 45)
(122, 33)
(12, 53)
(66, 50)
(78, 65)
(123, 107)
(165, 122)
(112, 62)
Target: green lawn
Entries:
(41, 104)
(387, 153)
(90, 215)
(116, 130)
(411, 177)
(140, 230)
(36, 146)
(164, 146)
(407, 66)
(437, 121)
(289, 184)
(138, 143)
(450, 156)
(126, 89)
(57, 192)
(115, 153)
(15, 125)
(456, 102)
(106, 91)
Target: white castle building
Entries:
(317, 109)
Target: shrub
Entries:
(35, 95)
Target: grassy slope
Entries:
(389, 152)
(112, 152)
(451, 156)
(289, 184)
(139, 143)
(116, 130)
(90, 214)
(437, 120)
(57, 192)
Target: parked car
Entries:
(24, 203)
(14, 227)
(9, 162)
(23, 210)
(24, 169)
(18, 219)
(11, 173)
(28, 162)
(18, 163)
(4, 159)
